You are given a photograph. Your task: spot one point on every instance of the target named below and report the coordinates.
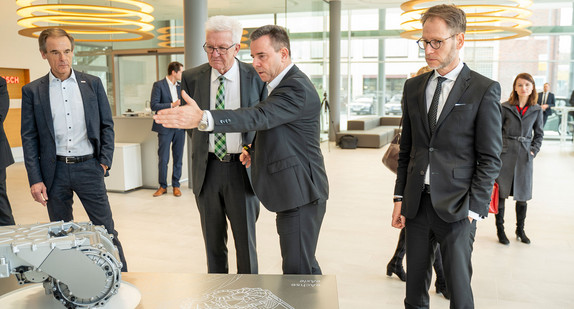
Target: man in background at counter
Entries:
(166, 93)
(289, 174)
(221, 184)
(546, 101)
(68, 137)
(6, 158)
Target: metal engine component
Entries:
(77, 262)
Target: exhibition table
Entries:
(219, 291)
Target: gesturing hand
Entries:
(180, 117)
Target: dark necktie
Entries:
(220, 147)
(433, 110)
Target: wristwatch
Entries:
(204, 122)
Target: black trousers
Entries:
(86, 179)
(456, 242)
(298, 231)
(6, 217)
(227, 194)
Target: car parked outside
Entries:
(362, 105)
(393, 107)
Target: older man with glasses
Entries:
(221, 184)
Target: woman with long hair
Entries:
(522, 133)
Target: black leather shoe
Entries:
(399, 272)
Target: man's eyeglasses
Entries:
(435, 44)
(220, 50)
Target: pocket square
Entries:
(83, 81)
(459, 104)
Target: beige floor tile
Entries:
(163, 234)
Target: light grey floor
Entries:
(163, 234)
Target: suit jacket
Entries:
(550, 101)
(38, 142)
(196, 82)
(287, 164)
(464, 151)
(161, 99)
(6, 157)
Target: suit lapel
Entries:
(44, 93)
(422, 103)
(204, 88)
(87, 98)
(460, 85)
(244, 79)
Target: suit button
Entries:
(431, 149)
(422, 173)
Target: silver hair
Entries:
(222, 23)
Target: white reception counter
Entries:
(138, 130)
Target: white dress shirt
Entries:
(272, 84)
(172, 90)
(68, 117)
(232, 84)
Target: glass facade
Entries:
(375, 60)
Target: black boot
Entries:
(500, 223)
(520, 217)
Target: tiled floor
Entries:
(163, 234)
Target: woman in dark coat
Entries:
(522, 133)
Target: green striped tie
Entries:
(220, 147)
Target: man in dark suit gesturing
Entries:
(288, 170)
(221, 184)
(6, 158)
(449, 157)
(68, 136)
(546, 101)
(166, 93)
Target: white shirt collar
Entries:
(53, 78)
(452, 75)
(272, 84)
(170, 83)
(230, 75)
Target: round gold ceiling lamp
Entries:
(171, 36)
(127, 20)
(508, 19)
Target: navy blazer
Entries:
(38, 142)
(550, 100)
(195, 82)
(464, 151)
(287, 164)
(5, 152)
(161, 99)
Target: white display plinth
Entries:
(126, 172)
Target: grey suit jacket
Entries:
(38, 142)
(195, 82)
(464, 151)
(6, 157)
(287, 165)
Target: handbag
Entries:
(391, 156)
(493, 207)
(348, 142)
